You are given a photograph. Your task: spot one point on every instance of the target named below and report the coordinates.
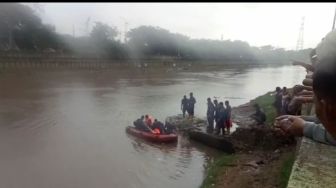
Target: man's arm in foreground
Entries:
(318, 133)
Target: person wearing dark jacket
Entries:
(259, 116)
(216, 114)
(222, 116)
(228, 122)
(210, 116)
(169, 128)
(278, 101)
(184, 105)
(191, 105)
(140, 124)
(158, 125)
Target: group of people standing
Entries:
(188, 105)
(287, 103)
(220, 115)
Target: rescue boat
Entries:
(150, 136)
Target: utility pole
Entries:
(125, 38)
(125, 29)
(73, 30)
(299, 44)
(87, 26)
(334, 21)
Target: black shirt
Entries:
(211, 110)
(192, 102)
(184, 103)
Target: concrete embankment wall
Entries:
(57, 62)
(315, 166)
(18, 61)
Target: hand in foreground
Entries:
(307, 66)
(305, 92)
(308, 82)
(290, 125)
(310, 76)
(303, 99)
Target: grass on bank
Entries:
(215, 168)
(266, 103)
(286, 170)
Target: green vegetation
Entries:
(266, 103)
(188, 123)
(21, 29)
(286, 170)
(215, 169)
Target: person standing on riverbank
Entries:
(184, 105)
(221, 119)
(210, 116)
(228, 122)
(294, 107)
(216, 113)
(191, 105)
(278, 101)
(285, 97)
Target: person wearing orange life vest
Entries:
(158, 127)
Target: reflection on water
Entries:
(67, 128)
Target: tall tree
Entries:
(103, 32)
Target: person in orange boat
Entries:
(148, 120)
(158, 127)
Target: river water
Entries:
(67, 128)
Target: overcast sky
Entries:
(258, 24)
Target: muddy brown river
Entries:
(66, 128)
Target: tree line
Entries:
(21, 29)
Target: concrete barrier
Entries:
(315, 166)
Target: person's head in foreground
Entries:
(324, 86)
(209, 100)
(191, 94)
(277, 89)
(324, 83)
(185, 96)
(215, 102)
